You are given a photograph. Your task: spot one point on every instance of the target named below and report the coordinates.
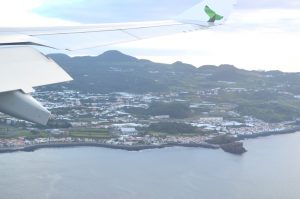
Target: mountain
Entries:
(114, 71)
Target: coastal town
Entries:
(122, 119)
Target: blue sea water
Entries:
(270, 169)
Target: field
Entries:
(90, 133)
(10, 132)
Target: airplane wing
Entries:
(23, 68)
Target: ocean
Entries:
(270, 169)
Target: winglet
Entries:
(208, 11)
(213, 16)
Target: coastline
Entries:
(269, 133)
(33, 148)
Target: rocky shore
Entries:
(234, 148)
(227, 143)
(110, 146)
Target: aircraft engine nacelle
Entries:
(23, 106)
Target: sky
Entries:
(259, 35)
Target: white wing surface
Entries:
(207, 14)
(23, 68)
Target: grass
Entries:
(163, 134)
(90, 133)
(10, 133)
(15, 133)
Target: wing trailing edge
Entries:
(23, 68)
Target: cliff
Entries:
(234, 148)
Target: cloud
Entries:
(272, 20)
(268, 4)
(246, 49)
(19, 13)
(256, 39)
(97, 11)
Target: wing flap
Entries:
(94, 39)
(144, 33)
(91, 39)
(23, 68)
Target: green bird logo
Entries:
(213, 16)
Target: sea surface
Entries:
(269, 170)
